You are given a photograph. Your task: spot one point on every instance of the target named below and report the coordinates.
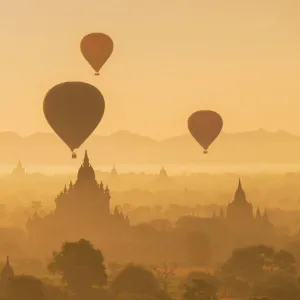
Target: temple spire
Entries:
(86, 161)
(239, 193)
(107, 192)
(18, 170)
(265, 216)
(163, 172)
(258, 214)
(114, 171)
(240, 185)
(7, 272)
(101, 186)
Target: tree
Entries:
(163, 274)
(235, 287)
(128, 296)
(54, 292)
(196, 275)
(114, 267)
(252, 264)
(161, 224)
(278, 286)
(24, 287)
(135, 279)
(285, 261)
(80, 265)
(200, 290)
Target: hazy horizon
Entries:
(161, 139)
(240, 58)
(172, 169)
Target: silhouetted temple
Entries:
(85, 196)
(18, 171)
(6, 274)
(163, 172)
(114, 172)
(162, 180)
(82, 209)
(240, 211)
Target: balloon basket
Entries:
(205, 152)
(74, 155)
(96, 74)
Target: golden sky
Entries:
(172, 57)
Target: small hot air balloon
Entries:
(205, 126)
(96, 49)
(74, 110)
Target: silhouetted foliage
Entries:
(294, 248)
(253, 263)
(208, 278)
(200, 290)
(253, 266)
(161, 224)
(114, 267)
(279, 286)
(235, 287)
(135, 280)
(80, 265)
(128, 296)
(163, 274)
(53, 292)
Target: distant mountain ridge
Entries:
(124, 147)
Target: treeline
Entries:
(256, 272)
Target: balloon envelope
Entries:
(205, 126)
(96, 49)
(74, 110)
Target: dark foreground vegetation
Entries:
(252, 273)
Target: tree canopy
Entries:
(80, 265)
(135, 279)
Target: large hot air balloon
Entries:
(205, 126)
(74, 110)
(96, 49)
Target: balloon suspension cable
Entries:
(96, 74)
(74, 155)
(205, 152)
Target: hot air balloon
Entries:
(205, 126)
(96, 49)
(73, 110)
